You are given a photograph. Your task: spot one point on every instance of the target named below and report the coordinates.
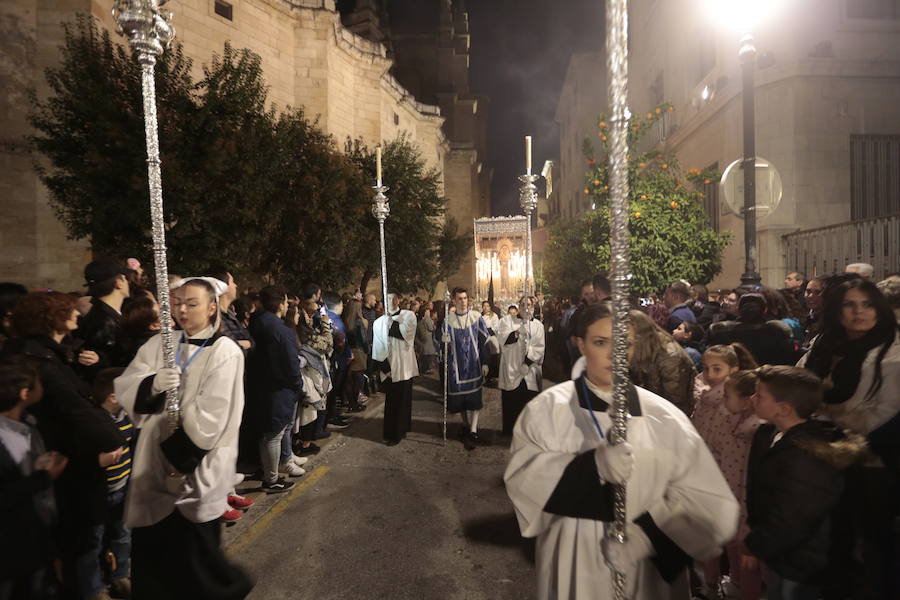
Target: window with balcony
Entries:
(874, 175)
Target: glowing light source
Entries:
(741, 15)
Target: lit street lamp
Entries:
(747, 55)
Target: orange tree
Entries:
(670, 233)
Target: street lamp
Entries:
(747, 56)
(744, 15)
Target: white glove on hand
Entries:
(624, 557)
(614, 463)
(524, 370)
(166, 379)
(484, 370)
(445, 339)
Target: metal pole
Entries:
(747, 54)
(446, 339)
(149, 32)
(617, 67)
(381, 210)
(528, 202)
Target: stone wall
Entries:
(309, 60)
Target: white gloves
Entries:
(614, 463)
(166, 379)
(524, 369)
(624, 557)
(484, 370)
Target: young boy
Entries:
(27, 474)
(794, 481)
(112, 531)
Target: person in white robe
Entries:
(180, 482)
(521, 358)
(561, 473)
(492, 320)
(394, 335)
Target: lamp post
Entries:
(747, 55)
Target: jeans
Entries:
(780, 588)
(118, 537)
(270, 451)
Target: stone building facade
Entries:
(309, 59)
(827, 110)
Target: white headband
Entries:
(219, 287)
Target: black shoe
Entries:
(469, 442)
(391, 442)
(308, 451)
(278, 486)
(357, 408)
(480, 441)
(338, 424)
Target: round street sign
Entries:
(768, 187)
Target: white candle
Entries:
(378, 165)
(528, 154)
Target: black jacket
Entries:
(99, 329)
(22, 528)
(274, 383)
(71, 424)
(769, 344)
(793, 489)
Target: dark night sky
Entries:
(520, 50)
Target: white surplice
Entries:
(212, 403)
(512, 356)
(400, 354)
(675, 480)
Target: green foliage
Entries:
(422, 243)
(269, 194)
(670, 237)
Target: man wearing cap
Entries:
(107, 283)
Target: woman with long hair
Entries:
(858, 354)
(659, 363)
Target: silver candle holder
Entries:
(149, 32)
(381, 210)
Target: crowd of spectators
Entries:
(67, 446)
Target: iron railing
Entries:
(828, 250)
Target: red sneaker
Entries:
(232, 515)
(241, 502)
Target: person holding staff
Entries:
(562, 472)
(180, 480)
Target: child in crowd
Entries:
(112, 533)
(713, 421)
(734, 455)
(794, 482)
(27, 474)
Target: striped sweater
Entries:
(117, 474)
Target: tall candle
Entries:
(528, 154)
(378, 165)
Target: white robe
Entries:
(400, 354)
(675, 480)
(512, 356)
(493, 323)
(212, 403)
